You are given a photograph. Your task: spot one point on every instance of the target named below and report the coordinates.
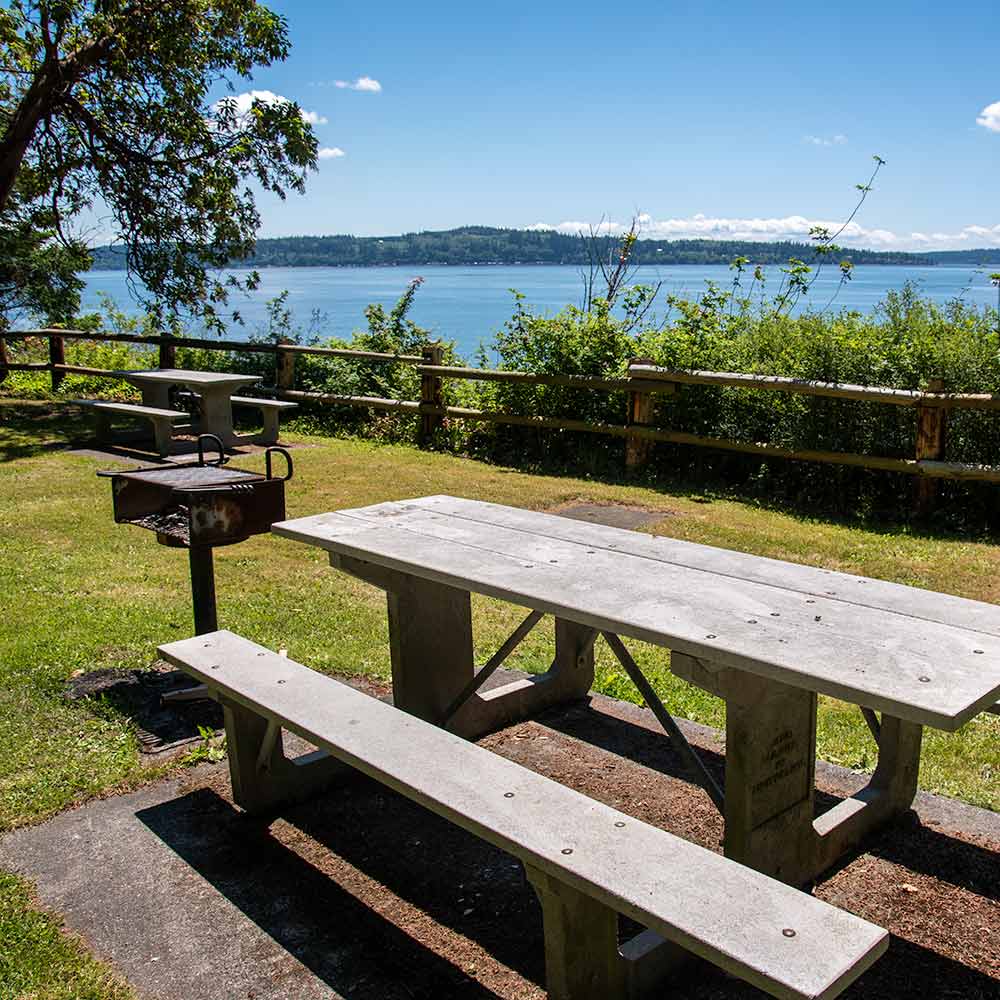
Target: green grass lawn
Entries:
(39, 962)
(82, 593)
(86, 593)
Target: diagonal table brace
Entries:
(873, 723)
(677, 738)
(508, 647)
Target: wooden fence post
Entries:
(640, 411)
(430, 393)
(284, 368)
(57, 356)
(932, 425)
(168, 354)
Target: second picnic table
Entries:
(215, 391)
(766, 636)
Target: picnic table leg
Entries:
(217, 415)
(430, 644)
(582, 956)
(103, 431)
(770, 776)
(155, 394)
(770, 768)
(262, 776)
(889, 794)
(163, 432)
(271, 429)
(581, 942)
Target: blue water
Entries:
(468, 304)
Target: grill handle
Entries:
(288, 463)
(213, 440)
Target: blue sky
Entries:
(712, 120)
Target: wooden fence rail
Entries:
(643, 382)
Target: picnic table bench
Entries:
(164, 421)
(767, 636)
(270, 411)
(587, 862)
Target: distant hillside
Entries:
(966, 258)
(482, 245)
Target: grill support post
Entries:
(203, 589)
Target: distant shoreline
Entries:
(481, 246)
(498, 264)
(245, 266)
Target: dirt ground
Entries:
(366, 889)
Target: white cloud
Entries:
(602, 228)
(243, 102)
(330, 153)
(989, 117)
(818, 140)
(791, 227)
(363, 83)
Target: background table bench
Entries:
(765, 635)
(163, 421)
(586, 861)
(270, 411)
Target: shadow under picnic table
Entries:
(907, 841)
(355, 949)
(346, 883)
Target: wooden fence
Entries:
(642, 384)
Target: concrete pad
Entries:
(615, 515)
(183, 452)
(139, 903)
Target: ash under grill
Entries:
(171, 524)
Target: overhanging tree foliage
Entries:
(106, 103)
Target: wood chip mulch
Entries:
(383, 900)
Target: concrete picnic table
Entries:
(215, 390)
(767, 636)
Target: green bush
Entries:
(905, 343)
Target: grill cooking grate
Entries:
(194, 476)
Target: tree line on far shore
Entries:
(470, 245)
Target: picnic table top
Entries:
(196, 378)
(930, 658)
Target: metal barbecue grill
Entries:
(199, 506)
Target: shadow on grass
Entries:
(29, 428)
(858, 498)
(808, 491)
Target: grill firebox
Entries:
(199, 506)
